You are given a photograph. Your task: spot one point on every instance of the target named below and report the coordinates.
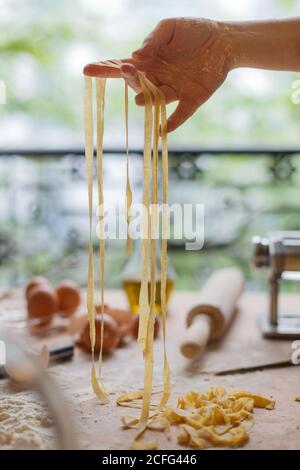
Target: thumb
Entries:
(184, 110)
(161, 35)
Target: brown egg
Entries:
(124, 318)
(34, 282)
(98, 308)
(111, 335)
(42, 303)
(79, 320)
(135, 327)
(121, 316)
(68, 294)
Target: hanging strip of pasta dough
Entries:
(164, 248)
(165, 230)
(128, 200)
(100, 94)
(143, 297)
(148, 87)
(154, 210)
(89, 155)
(128, 197)
(148, 352)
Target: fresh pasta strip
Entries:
(149, 244)
(89, 155)
(160, 99)
(147, 328)
(146, 316)
(100, 93)
(164, 260)
(128, 397)
(259, 401)
(163, 121)
(131, 396)
(153, 240)
(128, 202)
(143, 298)
(151, 445)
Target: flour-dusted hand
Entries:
(189, 58)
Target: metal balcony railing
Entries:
(43, 207)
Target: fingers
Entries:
(130, 74)
(184, 110)
(106, 69)
(99, 69)
(122, 69)
(169, 94)
(161, 35)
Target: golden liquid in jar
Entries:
(132, 289)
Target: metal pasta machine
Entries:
(280, 253)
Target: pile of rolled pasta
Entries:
(214, 419)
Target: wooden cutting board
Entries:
(98, 427)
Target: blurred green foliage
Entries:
(44, 45)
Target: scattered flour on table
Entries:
(24, 423)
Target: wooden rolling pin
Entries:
(209, 319)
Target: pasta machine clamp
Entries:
(280, 252)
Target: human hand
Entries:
(187, 59)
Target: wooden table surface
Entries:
(98, 427)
